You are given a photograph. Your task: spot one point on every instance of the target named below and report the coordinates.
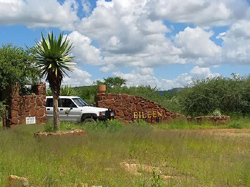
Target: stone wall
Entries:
(33, 105)
(132, 108)
(216, 120)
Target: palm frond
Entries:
(53, 58)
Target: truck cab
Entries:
(74, 109)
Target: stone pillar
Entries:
(24, 106)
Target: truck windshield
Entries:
(80, 102)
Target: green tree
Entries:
(87, 93)
(112, 82)
(115, 81)
(53, 59)
(17, 65)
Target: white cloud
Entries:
(128, 37)
(179, 82)
(86, 6)
(240, 29)
(135, 34)
(200, 12)
(77, 78)
(146, 77)
(195, 43)
(37, 13)
(202, 73)
(236, 41)
(145, 71)
(107, 68)
(148, 27)
(136, 79)
(84, 52)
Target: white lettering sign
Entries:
(30, 120)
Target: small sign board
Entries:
(30, 120)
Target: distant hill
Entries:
(172, 91)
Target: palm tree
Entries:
(53, 59)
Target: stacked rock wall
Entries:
(132, 108)
(216, 120)
(34, 105)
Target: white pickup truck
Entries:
(73, 108)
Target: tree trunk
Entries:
(56, 118)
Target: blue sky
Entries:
(161, 43)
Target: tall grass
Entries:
(191, 158)
(183, 124)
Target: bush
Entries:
(216, 112)
(235, 125)
(228, 95)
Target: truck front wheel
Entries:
(88, 120)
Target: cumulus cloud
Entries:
(203, 72)
(200, 12)
(236, 40)
(107, 68)
(196, 43)
(136, 79)
(146, 77)
(77, 78)
(36, 13)
(128, 37)
(179, 82)
(83, 50)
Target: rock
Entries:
(131, 168)
(15, 181)
(41, 112)
(14, 121)
(60, 133)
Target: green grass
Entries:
(239, 122)
(194, 159)
(182, 124)
(1, 114)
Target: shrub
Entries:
(235, 125)
(228, 95)
(216, 112)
